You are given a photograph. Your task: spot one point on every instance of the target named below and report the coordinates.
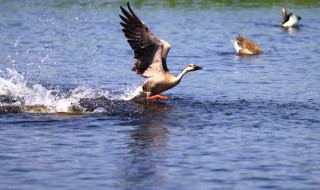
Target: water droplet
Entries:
(99, 110)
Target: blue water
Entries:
(241, 123)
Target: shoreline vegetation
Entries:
(196, 4)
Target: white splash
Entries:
(15, 85)
(134, 93)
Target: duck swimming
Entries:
(245, 46)
(289, 20)
(150, 54)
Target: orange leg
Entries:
(158, 96)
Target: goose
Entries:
(150, 54)
(245, 46)
(289, 20)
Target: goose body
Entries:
(245, 46)
(289, 20)
(150, 54)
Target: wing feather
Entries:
(245, 43)
(285, 16)
(146, 46)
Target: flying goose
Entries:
(289, 20)
(150, 55)
(245, 46)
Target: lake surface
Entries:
(241, 123)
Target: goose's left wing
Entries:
(146, 46)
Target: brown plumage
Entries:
(245, 46)
(150, 54)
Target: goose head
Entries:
(192, 67)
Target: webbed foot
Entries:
(158, 96)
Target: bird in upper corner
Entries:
(289, 20)
(150, 54)
(245, 46)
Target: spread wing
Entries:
(148, 49)
(245, 43)
(285, 16)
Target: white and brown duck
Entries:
(150, 54)
(244, 46)
(289, 20)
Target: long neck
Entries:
(179, 77)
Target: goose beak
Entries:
(198, 68)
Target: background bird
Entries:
(289, 20)
(245, 46)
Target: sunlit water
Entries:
(241, 123)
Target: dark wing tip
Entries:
(123, 18)
(128, 5)
(132, 12)
(122, 9)
(123, 25)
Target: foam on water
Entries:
(14, 85)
